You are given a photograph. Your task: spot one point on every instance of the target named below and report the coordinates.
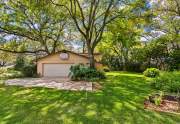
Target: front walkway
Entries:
(57, 83)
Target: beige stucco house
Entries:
(58, 64)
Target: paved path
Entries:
(56, 83)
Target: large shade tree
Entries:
(38, 23)
(91, 18)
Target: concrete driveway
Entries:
(57, 83)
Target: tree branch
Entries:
(13, 51)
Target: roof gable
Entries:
(63, 51)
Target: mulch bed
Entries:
(169, 104)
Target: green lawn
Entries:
(120, 101)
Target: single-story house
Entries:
(58, 64)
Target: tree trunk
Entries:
(84, 47)
(149, 62)
(91, 57)
(125, 60)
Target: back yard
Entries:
(120, 101)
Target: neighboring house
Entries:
(58, 64)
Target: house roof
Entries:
(79, 54)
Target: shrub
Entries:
(167, 81)
(80, 72)
(29, 70)
(151, 72)
(158, 99)
(112, 62)
(174, 60)
(20, 62)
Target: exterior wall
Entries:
(55, 59)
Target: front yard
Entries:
(120, 101)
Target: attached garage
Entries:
(58, 64)
(56, 70)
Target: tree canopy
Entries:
(120, 29)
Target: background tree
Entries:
(167, 20)
(122, 36)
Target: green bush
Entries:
(20, 62)
(151, 72)
(80, 72)
(167, 81)
(174, 60)
(29, 70)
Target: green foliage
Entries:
(151, 72)
(30, 70)
(174, 60)
(118, 42)
(6, 57)
(36, 24)
(156, 53)
(2, 70)
(158, 99)
(167, 81)
(10, 73)
(138, 54)
(113, 62)
(81, 72)
(134, 67)
(20, 62)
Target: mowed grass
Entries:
(119, 102)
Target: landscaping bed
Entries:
(168, 103)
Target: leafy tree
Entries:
(33, 21)
(92, 17)
(167, 20)
(122, 36)
(174, 60)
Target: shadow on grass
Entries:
(120, 101)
